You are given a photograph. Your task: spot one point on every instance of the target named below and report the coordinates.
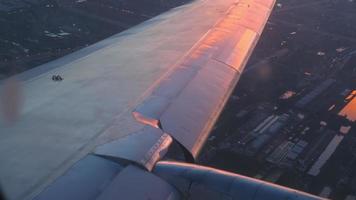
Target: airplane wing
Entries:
(100, 132)
(187, 102)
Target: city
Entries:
(291, 120)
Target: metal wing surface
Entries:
(186, 103)
(169, 77)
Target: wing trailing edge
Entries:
(188, 101)
(143, 148)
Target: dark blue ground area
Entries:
(34, 32)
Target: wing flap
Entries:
(133, 183)
(143, 148)
(191, 115)
(97, 178)
(187, 102)
(237, 48)
(254, 18)
(85, 180)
